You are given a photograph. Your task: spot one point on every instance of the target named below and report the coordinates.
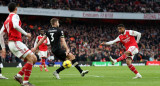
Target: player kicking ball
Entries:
(42, 49)
(128, 40)
(12, 26)
(57, 41)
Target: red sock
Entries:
(28, 71)
(121, 58)
(21, 72)
(132, 68)
(43, 62)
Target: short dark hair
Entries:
(53, 20)
(121, 25)
(12, 6)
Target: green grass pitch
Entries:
(98, 76)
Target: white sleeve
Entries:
(15, 21)
(48, 42)
(1, 37)
(114, 41)
(135, 33)
(35, 43)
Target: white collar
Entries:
(11, 13)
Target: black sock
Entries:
(77, 66)
(60, 69)
(0, 71)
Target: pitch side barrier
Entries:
(83, 64)
(82, 14)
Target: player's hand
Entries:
(33, 49)
(103, 43)
(67, 52)
(3, 53)
(28, 35)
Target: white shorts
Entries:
(133, 50)
(42, 54)
(18, 49)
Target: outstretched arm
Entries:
(111, 42)
(135, 33)
(36, 41)
(15, 21)
(2, 42)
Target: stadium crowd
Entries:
(84, 41)
(143, 6)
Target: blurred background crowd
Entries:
(84, 38)
(136, 6)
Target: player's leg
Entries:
(124, 56)
(71, 57)
(40, 56)
(20, 50)
(132, 50)
(1, 76)
(132, 68)
(31, 59)
(44, 64)
(44, 59)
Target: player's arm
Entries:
(39, 43)
(64, 44)
(111, 42)
(2, 42)
(48, 42)
(36, 41)
(15, 21)
(135, 33)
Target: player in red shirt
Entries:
(42, 49)
(12, 26)
(128, 40)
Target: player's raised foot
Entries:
(112, 60)
(18, 79)
(46, 70)
(40, 66)
(27, 84)
(84, 72)
(56, 75)
(138, 76)
(3, 77)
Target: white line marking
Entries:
(79, 75)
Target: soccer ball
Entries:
(67, 64)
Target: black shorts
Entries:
(60, 54)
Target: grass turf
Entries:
(98, 76)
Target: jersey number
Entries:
(52, 38)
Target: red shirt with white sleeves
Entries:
(127, 39)
(13, 34)
(43, 46)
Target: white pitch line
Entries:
(85, 76)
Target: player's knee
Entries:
(127, 53)
(71, 56)
(29, 58)
(34, 58)
(128, 61)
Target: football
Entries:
(67, 64)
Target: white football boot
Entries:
(56, 75)
(84, 72)
(137, 76)
(3, 77)
(112, 60)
